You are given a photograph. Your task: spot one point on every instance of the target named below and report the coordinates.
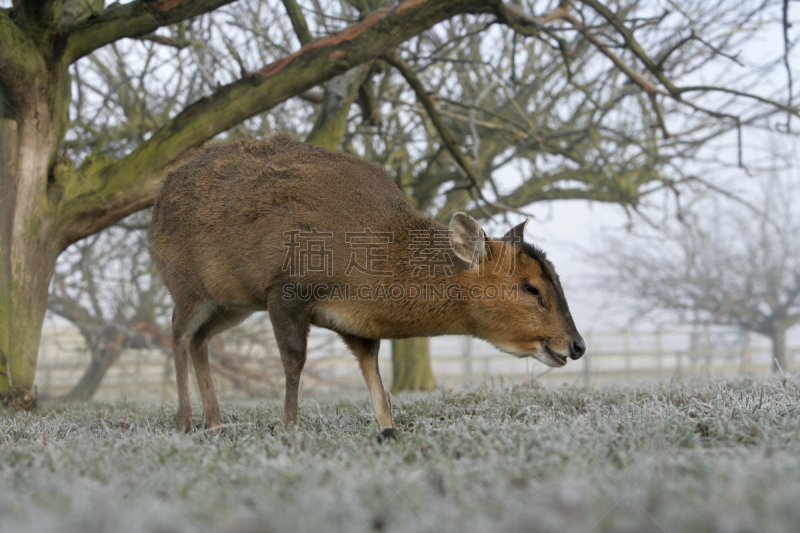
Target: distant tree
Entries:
(728, 265)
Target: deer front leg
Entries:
(366, 351)
(290, 324)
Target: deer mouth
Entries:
(543, 353)
(555, 357)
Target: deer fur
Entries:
(222, 235)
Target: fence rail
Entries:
(148, 375)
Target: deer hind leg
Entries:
(219, 320)
(366, 351)
(290, 323)
(186, 318)
(198, 348)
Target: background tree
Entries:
(729, 264)
(106, 285)
(579, 99)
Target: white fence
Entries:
(148, 375)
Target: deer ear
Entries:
(517, 233)
(467, 239)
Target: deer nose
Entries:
(577, 348)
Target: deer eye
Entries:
(530, 289)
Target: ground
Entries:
(698, 456)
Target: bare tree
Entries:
(730, 264)
(99, 103)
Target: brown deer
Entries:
(322, 238)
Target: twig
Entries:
(224, 426)
(694, 37)
(789, 109)
(179, 44)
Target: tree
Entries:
(731, 264)
(67, 173)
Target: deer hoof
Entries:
(386, 434)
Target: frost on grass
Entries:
(702, 456)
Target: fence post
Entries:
(627, 338)
(466, 353)
(747, 351)
(659, 349)
(679, 355)
(590, 346)
(166, 378)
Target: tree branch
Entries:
(298, 21)
(128, 20)
(104, 193)
(521, 198)
(22, 68)
(179, 44)
(787, 64)
(340, 93)
(39, 16)
(515, 17)
(708, 88)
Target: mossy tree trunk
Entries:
(8, 165)
(411, 365)
(29, 237)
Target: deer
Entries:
(317, 237)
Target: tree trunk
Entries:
(778, 338)
(8, 168)
(411, 364)
(103, 357)
(29, 246)
(331, 121)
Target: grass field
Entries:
(702, 456)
